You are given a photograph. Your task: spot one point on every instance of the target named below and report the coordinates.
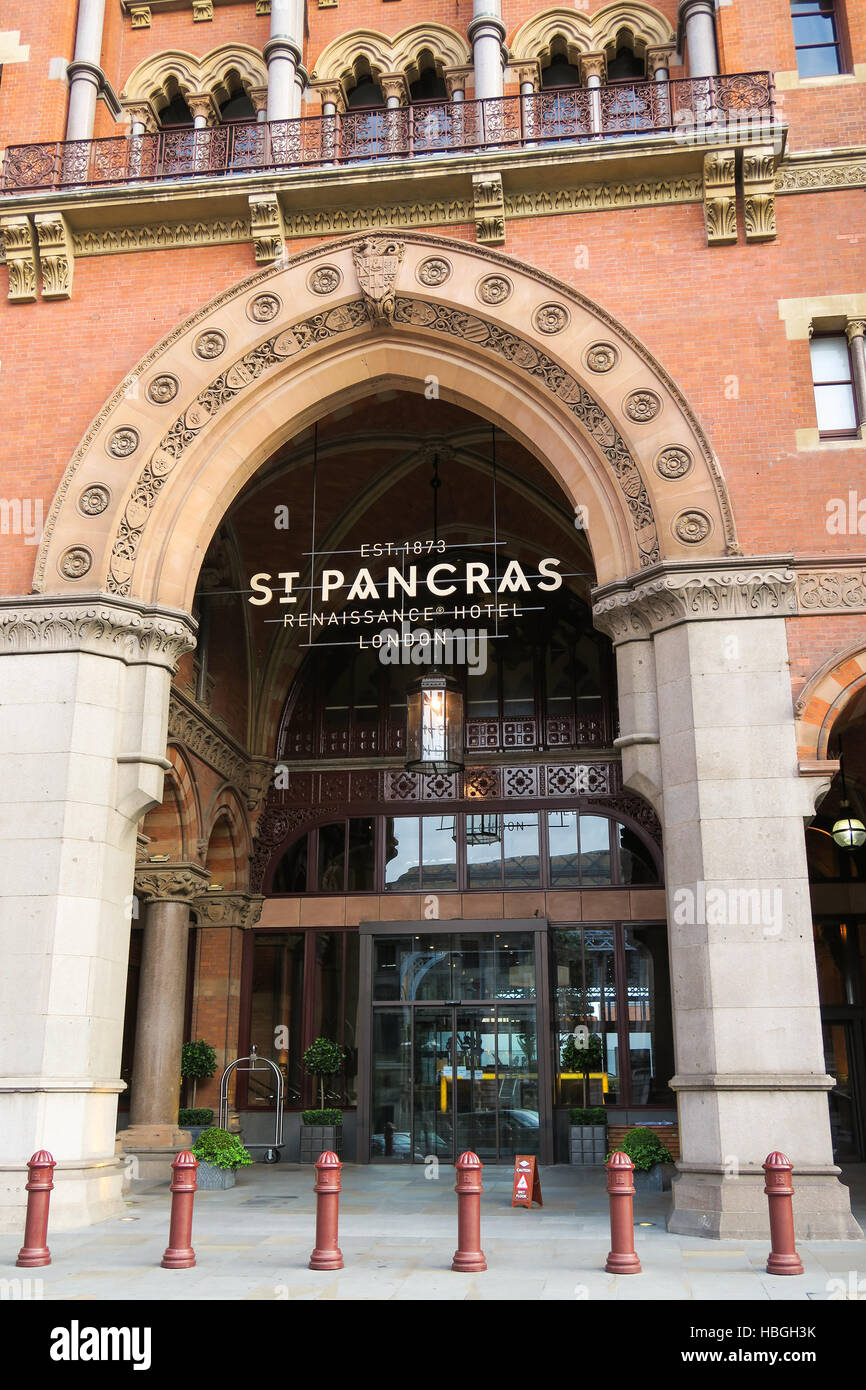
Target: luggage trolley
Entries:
(259, 1064)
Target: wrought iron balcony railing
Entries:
(692, 110)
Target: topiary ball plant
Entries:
(323, 1058)
(221, 1150)
(198, 1062)
(645, 1149)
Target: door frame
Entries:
(539, 927)
(853, 1019)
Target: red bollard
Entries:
(179, 1253)
(34, 1252)
(620, 1186)
(779, 1188)
(327, 1254)
(468, 1257)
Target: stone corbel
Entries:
(266, 227)
(489, 209)
(140, 16)
(56, 255)
(228, 909)
(181, 881)
(720, 197)
(201, 10)
(759, 192)
(20, 243)
(263, 7)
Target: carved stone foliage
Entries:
(160, 236)
(759, 193)
(673, 595)
(134, 633)
(319, 328)
(720, 197)
(163, 389)
(489, 209)
(262, 308)
(161, 883)
(187, 725)
(266, 227)
(494, 289)
(20, 247)
(643, 406)
(377, 261)
(436, 213)
(56, 255)
(601, 357)
(228, 909)
(808, 173)
(832, 590)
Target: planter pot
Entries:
(649, 1181)
(196, 1131)
(315, 1139)
(211, 1179)
(588, 1144)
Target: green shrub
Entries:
(197, 1061)
(597, 1115)
(221, 1150)
(185, 1118)
(582, 1059)
(322, 1117)
(645, 1149)
(323, 1058)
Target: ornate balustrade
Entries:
(694, 109)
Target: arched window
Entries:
(430, 86)
(365, 95)
(560, 73)
(176, 113)
(626, 67)
(238, 107)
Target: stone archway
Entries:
(199, 414)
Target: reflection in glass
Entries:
(601, 1001)
(562, 839)
(484, 862)
(517, 1075)
(439, 852)
(361, 877)
(332, 855)
(391, 1114)
(276, 1013)
(594, 851)
(521, 861)
(433, 1127)
(650, 1039)
(635, 861)
(402, 854)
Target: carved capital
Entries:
(593, 65)
(393, 84)
(332, 92)
(720, 197)
(56, 255)
(204, 104)
(259, 98)
(266, 227)
(659, 57)
(140, 16)
(489, 209)
(229, 909)
(455, 80)
(143, 112)
(855, 328)
(20, 245)
(759, 192)
(134, 634)
(668, 595)
(201, 10)
(528, 72)
(167, 883)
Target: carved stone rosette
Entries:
(133, 633)
(489, 209)
(228, 909)
(759, 193)
(165, 883)
(266, 227)
(669, 594)
(720, 197)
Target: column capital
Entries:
(659, 57)
(593, 65)
(144, 113)
(671, 593)
(691, 7)
(456, 79)
(855, 328)
(204, 104)
(229, 909)
(394, 84)
(281, 46)
(259, 98)
(165, 883)
(333, 92)
(486, 26)
(137, 634)
(528, 72)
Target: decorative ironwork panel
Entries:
(366, 786)
(482, 733)
(521, 781)
(440, 786)
(481, 783)
(558, 115)
(519, 733)
(402, 786)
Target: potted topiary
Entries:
(321, 1129)
(219, 1156)
(588, 1135)
(196, 1121)
(197, 1063)
(648, 1154)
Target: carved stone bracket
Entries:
(228, 909)
(164, 883)
(488, 209)
(56, 255)
(720, 197)
(759, 192)
(20, 246)
(140, 16)
(266, 227)
(132, 633)
(201, 10)
(667, 595)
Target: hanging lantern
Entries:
(482, 830)
(848, 832)
(434, 733)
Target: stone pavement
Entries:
(398, 1234)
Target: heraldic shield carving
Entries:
(377, 261)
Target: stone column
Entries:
(83, 725)
(658, 67)
(455, 83)
(486, 34)
(333, 107)
(302, 81)
(282, 54)
(722, 774)
(593, 68)
(153, 1135)
(697, 31)
(85, 75)
(855, 329)
(528, 75)
(223, 918)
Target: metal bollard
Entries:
(779, 1189)
(179, 1252)
(327, 1254)
(620, 1186)
(40, 1184)
(468, 1257)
